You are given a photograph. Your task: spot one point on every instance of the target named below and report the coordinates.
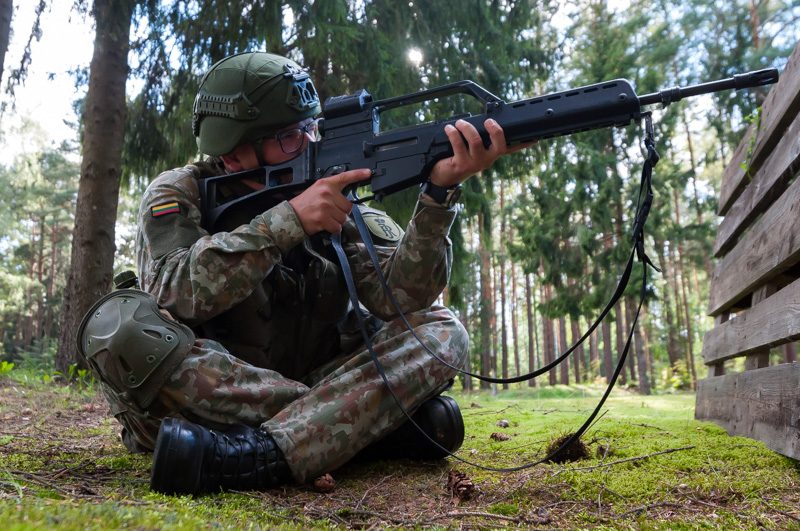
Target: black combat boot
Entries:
(440, 419)
(192, 459)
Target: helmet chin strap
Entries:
(258, 147)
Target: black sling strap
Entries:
(644, 203)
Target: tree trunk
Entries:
(594, 358)
(672, 342)
(533, 340)
(681, 273)
(562, 347)
(638, 355)
(548, 336)
(631, 360)
(502, 274)
(104, 116)
(6, 12)
(493, 321)
(620, 326)
(486, 309)
(608, 360)
(51, 281)
(514, 323)
(579, 352)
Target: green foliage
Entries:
(5, 368)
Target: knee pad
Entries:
(131, 346)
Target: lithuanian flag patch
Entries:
(166, 208)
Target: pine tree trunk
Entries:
(548, 335)
(104, 117)
(619, 328)
(533, 340)
(486, 309)
(631, 361)
(577, 355)
(637, 349)
(679, 314)
(608, 359)
(673, 349)
(6, 12)
(681, 273)
(503, 332)
(594, 357)
(562, 347)
(502, 274)
(51, 281)
(514, 323)
(493, 321)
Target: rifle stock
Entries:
(403, 157)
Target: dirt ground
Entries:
(61, 444)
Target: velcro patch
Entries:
(166, 208)
(382, 226)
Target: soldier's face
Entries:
(278, 148)
(289, 141)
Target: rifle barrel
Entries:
(756, 78)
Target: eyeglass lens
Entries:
(292, 140)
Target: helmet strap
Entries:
(258, 147)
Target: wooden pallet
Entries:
(755, 288)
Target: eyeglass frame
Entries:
(306, 129)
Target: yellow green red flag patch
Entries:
(166, 208)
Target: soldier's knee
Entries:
(454, 337)
(131, 346)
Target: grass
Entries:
(651, 466)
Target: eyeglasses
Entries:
(291, 140)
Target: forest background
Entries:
(541, 238)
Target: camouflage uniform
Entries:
(280, 349)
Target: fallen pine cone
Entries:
(325, 483)
(499, 436)
(460, 486)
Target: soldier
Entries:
(239, 364)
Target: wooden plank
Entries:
(751, 152)
(763, 404)
(768, 323)
(769, 248)
(769, 182)
(760, 358)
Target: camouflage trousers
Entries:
(319, 423)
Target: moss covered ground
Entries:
(650, 465)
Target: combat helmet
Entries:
(248, 96)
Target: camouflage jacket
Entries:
(269, 293)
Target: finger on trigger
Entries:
(349, 177)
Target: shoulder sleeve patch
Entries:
(382, 226)
(166, 208)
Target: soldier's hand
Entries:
(322, 207)
(469, 154)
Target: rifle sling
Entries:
(644, 202)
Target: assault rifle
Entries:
(351, 137)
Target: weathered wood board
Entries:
(771, 246)
(768, 183)
(763, 404)
(772, 322)
(776, 112)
